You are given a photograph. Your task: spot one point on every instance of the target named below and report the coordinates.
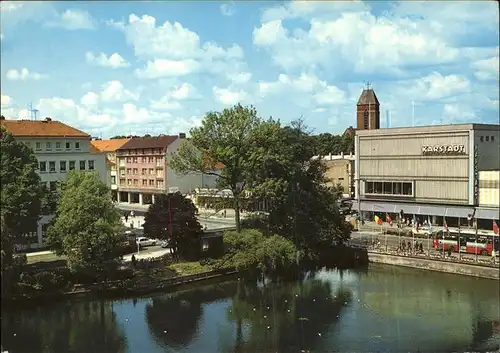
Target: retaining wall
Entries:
(434, 265)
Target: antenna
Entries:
(32, 112)
(388, 124)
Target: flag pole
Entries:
(429, 231)
(459, 247)
(444, 229)
(475, 245)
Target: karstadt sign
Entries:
(434, 150)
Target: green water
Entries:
(383, 309)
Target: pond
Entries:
(383, 308)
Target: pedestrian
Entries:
(421, 246)
(449, 251)
(134, 261)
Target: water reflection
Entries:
(78, 328)
(383, 309)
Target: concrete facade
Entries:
(429, 170)
(340, 170)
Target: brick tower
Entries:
(368, 110)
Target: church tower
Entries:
(368, 110)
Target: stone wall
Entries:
(433, 265)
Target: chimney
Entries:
(47, 119)
(182, 135)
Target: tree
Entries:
(303, 208)
(235, 137)
(87, 227)
(21, 192)
(173, 217)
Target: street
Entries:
(392, 241)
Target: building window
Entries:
(113, 180)
(62, 166)
(77, 145)
(129, 170)
(151, 160)
(492, 138)
(91, 165)
(151, 182)
(159, 183)
(389, 188)
(43, 166)
(151, 171)
(159, 162)
(82, 165)
(136, 182)
(129, 182)
(159, 173)
(58, 145)
(366, 121)
(122, 162)
(144, 171)
(122, 181)
(72, 165)
(135, 159)
(487, 138)
(38, 146)
(144, 182)
(136, 171)
(52, 166)
(481, 139)
(48, 146)
(68, 145)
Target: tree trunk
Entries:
(237, 212)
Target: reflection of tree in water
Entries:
(482, 331)
(286, 317)
(77, 328)
(173, 319)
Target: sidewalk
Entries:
(146, 255)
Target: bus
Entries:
(467, 242)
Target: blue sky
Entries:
(157, 67)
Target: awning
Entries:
(461, 212)
(487, 213)
(410, 209)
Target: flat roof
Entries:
(427, 129)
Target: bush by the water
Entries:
(251, 250)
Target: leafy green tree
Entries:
(87, 227)
(173, 217)
(235, 137)
(21, 194)
(303, 208)
(251, 250)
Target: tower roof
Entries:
(368, 96)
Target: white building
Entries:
(59, 148)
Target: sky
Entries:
(121, 67)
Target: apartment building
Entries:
(340, 171)
(59, 148)
(109, 148)
(143, 170)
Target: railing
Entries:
(429, 254)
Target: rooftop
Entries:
(368, 96)
(41, 128)
(427, 129)
(148, 142)
(109, 145)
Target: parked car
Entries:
(143, 241)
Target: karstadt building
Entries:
(446, 172)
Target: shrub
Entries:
(46, 280)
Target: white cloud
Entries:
(168, 68)
(365, 42)
(24, 75)
(434, 87)
(229, 97)
(5, 101)
(171, 49)
(241, 77)
(114, 61)
(170, 101)
(114, 91)
(227, 9)
(133, 114)
(90, 99)
(487, 69)
(305, 87)
(73, 20)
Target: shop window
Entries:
(389, 188)
(487, 138)
(481, 139)
(492, 138)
